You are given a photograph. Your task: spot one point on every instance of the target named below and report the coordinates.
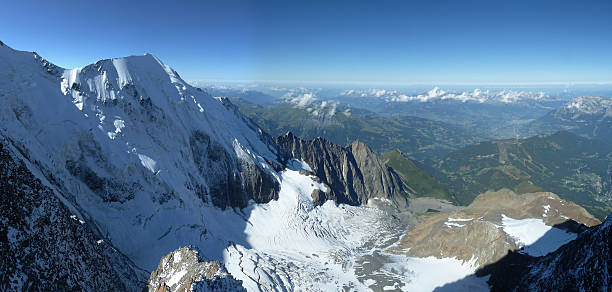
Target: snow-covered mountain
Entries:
(588, 105)
(437, 94)
(149, 164)
(589, 116)
(134, 149)
(108, 168)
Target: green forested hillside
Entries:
(418, 138)
(575, 168)
(419, 181)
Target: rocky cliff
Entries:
(354, 173)
(184, 270)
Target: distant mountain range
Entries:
(484, 113)
(437, 94)
(588, 116)
(572, 166)
(121, 176)
(420, 139)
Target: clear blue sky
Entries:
(360, 41)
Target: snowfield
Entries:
(537, 238)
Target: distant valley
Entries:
(143, 181)
(444, 157)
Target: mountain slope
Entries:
(494, 223)
(46, 245)
(580, 265)
(588, 116)
(130, 144)
(142, 107)
(575, 168)
(419, 138)
(418, 181)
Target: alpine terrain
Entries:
(121, 176)
(588, 116)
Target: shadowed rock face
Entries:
(183, 270)
(474, 231)
(353, 174)
(231, 182)
(581, 265)
(45, 246)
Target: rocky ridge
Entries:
(354, 173)
(184, 270)
(476, 232)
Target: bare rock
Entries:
(474, 231)
(354, 174)
(183, 270)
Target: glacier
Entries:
(152, 164)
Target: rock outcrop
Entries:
(354, 173)
(475, 232)
(182, 271)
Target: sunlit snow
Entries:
(538, 238)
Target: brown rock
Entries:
(481, 236)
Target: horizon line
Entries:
(366, 83)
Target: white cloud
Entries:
(477, 95)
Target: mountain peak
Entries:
(143, 76)
(589, 105)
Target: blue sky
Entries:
(396, 42)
